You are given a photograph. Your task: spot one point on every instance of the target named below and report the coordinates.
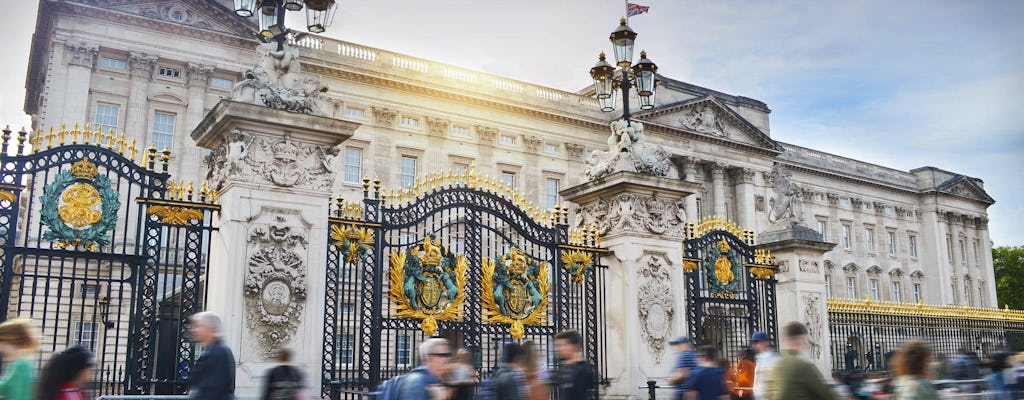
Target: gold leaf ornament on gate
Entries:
(723, 267)
(79, 207)
(354, 242)
(515, 291)
(428, 283)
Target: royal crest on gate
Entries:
(428, 283)
(724, 269)
(515, 291)
(79, 207)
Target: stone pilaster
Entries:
(744, 178)
(80, 59)
(140, 67)
(718, 188)
(198, 80)
(642, 226)
(274, 171)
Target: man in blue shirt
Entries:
(686, 361)
(707, 380)
(424, 382)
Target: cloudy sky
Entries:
(902, 84)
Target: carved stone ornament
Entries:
(630, 212)
(812, 318)
(199, 74)
(532, 143)
(80, 54)
(574, 151)
(275, 286)
(655, 305)
(486, 134)
(141, 64)
(783, 266)
(705, 119)
(786, 207)
(281, 162)
(276, 82)
(384, 117)
(809, 266)
(630, 151)
(437, 126)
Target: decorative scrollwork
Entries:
(75, 222)
(175, 215)
(8, 196)
(515, 291)
(690, 265)
(723, 265)
(352, 241)
(578, 263)
(428, 283)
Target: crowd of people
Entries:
(700, 373)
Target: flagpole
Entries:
(627, 10)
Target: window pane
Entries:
(912, 242)
(163, 130)
(508, 179)
(869, 239)
(874, 289)
(551, 198)
(112, 63)
(407, 176)
(353, 164)
(221, 83)
(460, 168)
(106, 116)
(850, 288)
(402, 350)
(892, 243)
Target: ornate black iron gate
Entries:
(104, 252)
(730, 286)
(459, 256)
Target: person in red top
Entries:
(65, 374)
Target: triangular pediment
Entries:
(965, 187)
(709, 117)
(202, 14)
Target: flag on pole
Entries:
(633, 10)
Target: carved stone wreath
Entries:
(655, 305)
(634, 213)
(275, 286)
(280, 162)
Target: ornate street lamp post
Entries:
(641, 75)
(270, 14)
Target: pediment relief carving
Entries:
(179, 12)
(708, 117)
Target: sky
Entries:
(901, 84)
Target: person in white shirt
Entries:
(766, 356)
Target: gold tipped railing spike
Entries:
(191, 189)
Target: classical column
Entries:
(80, 58)
(140, 67)
(718, 188)
(532, 184)
(985, 247)
(274, 217)
(744, 178)
(692, 170)
(486, 139)
(186, 154)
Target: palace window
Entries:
(169, 72)
(346, 308)
(508, 178)
(346, 349)
(828, 286)
(967, 294)
(460, 131)
(892, 243)
(551, 194)
(353, 164)
(106, 116)
(90, 290)
(403, 347)
(869, 240)
(412, 122)
(819, 197)
(85, 334)
(897, 292)
(963, 252)
(917, 293)
(221, 83)
(912, 242)
(845, 201)
(460, 168)
(163, 130)
(977, 255)
(407, 175)
(822, 228)
(355, 112)
(114, 63)
(851, 288)
(873, 289)
(846, 236)
(551, 148)
(700, 208)
(949, 248)
(507, 140)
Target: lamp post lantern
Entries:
(642, 74)
(270, 15)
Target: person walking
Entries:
(424, 381)
(462, 376)
(792, 377)
(65, 374)
(996, 379)
(535, 371)
(686, 360)
(18, 341)
(284, 381)
(707, 380)
(910, 364)
(213, 377)
(576, 378)
(765, 359)
(509, 382)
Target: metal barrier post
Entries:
(651, 386)
(335, 391)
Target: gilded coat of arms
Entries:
(79, 207)
(515, 291)
(428, 283)
(724, 269)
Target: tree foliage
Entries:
(1009, 266)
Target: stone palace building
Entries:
(153, 69)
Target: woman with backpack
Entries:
(285, 381)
